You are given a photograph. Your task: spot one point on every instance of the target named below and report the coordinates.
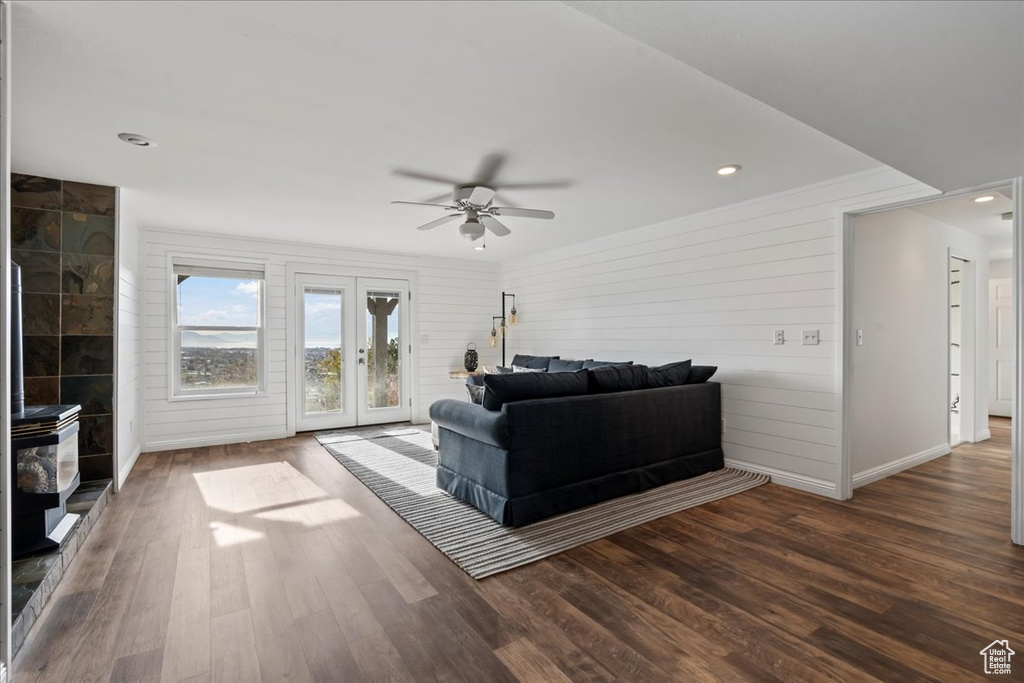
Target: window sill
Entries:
(218, 396)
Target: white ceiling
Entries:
(287, 119)
(934, 89)
(982, 219)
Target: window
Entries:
(218, 330)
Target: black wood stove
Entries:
(44, 441)
(44, 462)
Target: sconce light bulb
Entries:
(513, 316)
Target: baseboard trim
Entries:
(126, 467)
(218, 440)
(905, 463)
(802, 482)
(983, 435)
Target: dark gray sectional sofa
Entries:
(547, 443)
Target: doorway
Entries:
(352, 351)
(960, 360)
(1001, 362)
(1000, 226)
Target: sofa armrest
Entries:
(471, 420)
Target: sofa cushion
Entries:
(524, 361)
(668, 375)
(590, 363)
(502, 389)
(611, 378)
(558, 365)
(701, 373)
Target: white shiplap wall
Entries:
(453, 306)
(713, 287)
(128, 342)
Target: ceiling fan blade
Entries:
(540, 185)
(489, 167)
(522, 213)
(443, 206)
(495, 226)
(481, 196)
(430, 177)
(440, 221)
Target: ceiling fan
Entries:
(474, 201)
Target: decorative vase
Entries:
(471, 359)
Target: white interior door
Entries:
(325, 362)
(1001, 365)
(383, 351)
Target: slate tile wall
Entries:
(63, 239)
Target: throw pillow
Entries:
(701, 373)
(520, 386)
(524, 361)
(668, 375)
(476, 393)
(612, 378)
(520, 368)
(590, 363)
(557, 365)
(496, 370)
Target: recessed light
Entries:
(984, 198)
(136, 139)
(729, 170)
(480, 247)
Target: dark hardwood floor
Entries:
(269, 561)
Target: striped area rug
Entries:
(397, 464)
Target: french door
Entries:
(352, 347)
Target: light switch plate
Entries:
(780, 336)
(810, 338)
(860, 337)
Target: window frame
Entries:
(216, 268)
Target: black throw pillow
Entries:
(533, 362)
(668, 375)
(590, 363)
(611, 378)
(701, 373)
(557, 365)
(520, 386)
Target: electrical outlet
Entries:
(780, 336)
(810, 338)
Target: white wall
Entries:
(128, 349)
(713, 287)
(899, 383)
(454, 304)
(1002, 268)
